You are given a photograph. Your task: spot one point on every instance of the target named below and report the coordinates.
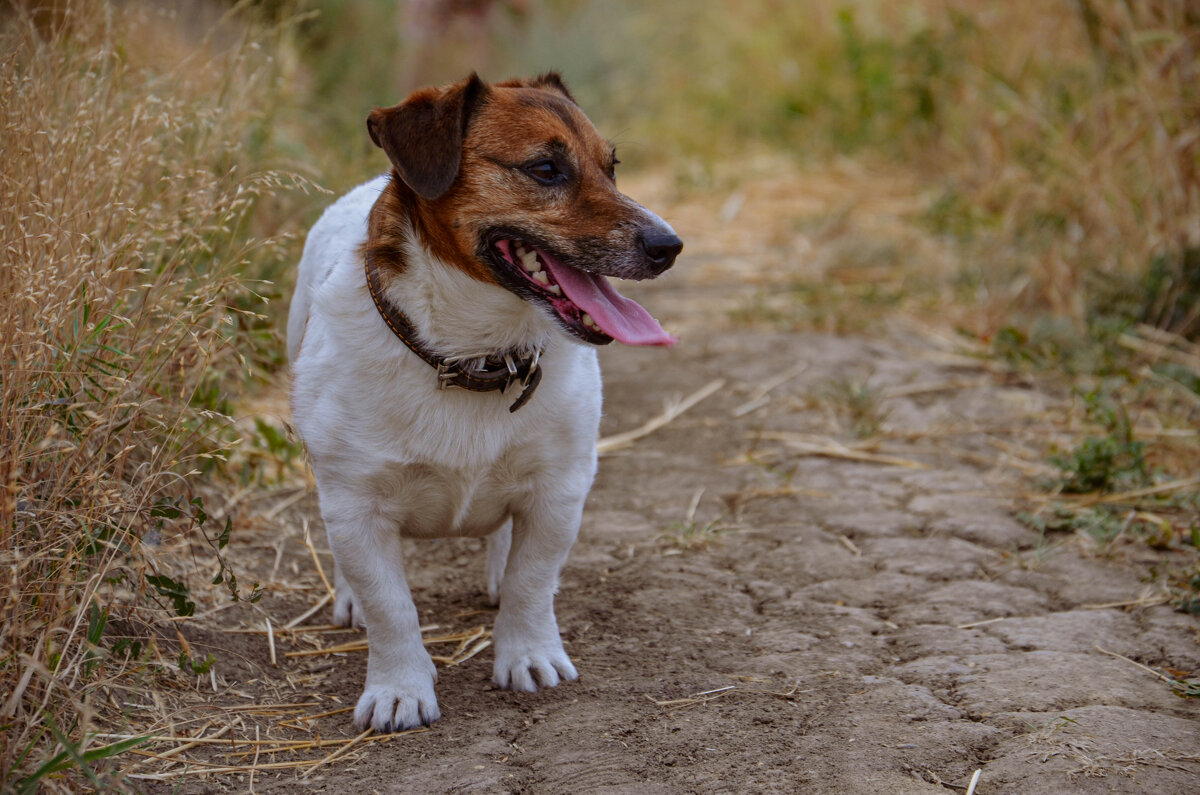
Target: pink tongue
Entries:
(619, 317)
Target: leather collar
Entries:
(484, 373)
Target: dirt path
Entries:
(754, 608)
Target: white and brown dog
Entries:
(479, 263)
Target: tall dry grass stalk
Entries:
(1075, 127)
(124, 193)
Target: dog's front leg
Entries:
(529, 651)
(400, 675)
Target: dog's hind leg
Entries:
(346, 611)
(498, 544)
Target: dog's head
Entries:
(511, 183)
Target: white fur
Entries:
(393, 455)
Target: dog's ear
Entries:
(551, 81)
(554, 82)
(423, 135)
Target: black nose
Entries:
(661, 248)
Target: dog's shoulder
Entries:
(332, 244)
(339, 232)
(348, 215)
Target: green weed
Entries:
(692, 534)
(1104, 463)
(856, 402)
(72, 756)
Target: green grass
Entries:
(857, 404)
(1103, 463)
(693, 534)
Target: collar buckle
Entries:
(446, 373)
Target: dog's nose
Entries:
(661, 248)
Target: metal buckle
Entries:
(446, 372)
(512, 372)
(529, 384)
(533, 366)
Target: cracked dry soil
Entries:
(821, 624)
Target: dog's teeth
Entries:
(587, 320)
(530, 261)
(541, 277)
(555, 289)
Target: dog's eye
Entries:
(545, 172)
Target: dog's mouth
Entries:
(586, 304)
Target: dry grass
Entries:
(125, 191)
(1057, 140)
(1075, 150)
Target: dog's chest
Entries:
(430, 501)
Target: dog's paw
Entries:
(346, 610)
(528, 670)
(398, 706)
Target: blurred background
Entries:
(1052, 145)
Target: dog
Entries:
(442, 338)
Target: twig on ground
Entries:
(712, 695)
(345, 749)
(313, 551)
(690, 516)
(834, 449)
(1145, 668)
(479, 636)
(257, 747)
(283, 505)
(1157, 350)
(459, 659)
(974, 624)
(464, 639)
(927, 387)
(1122, 497)
(343, 648)
(326, 599)
(758, 398)
(189, 742)
(974, 781)
(271, 643)
(202, 769)
(696, 698)
(1146, 601)
(622, 440)
(307, 718)
(218, 738)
